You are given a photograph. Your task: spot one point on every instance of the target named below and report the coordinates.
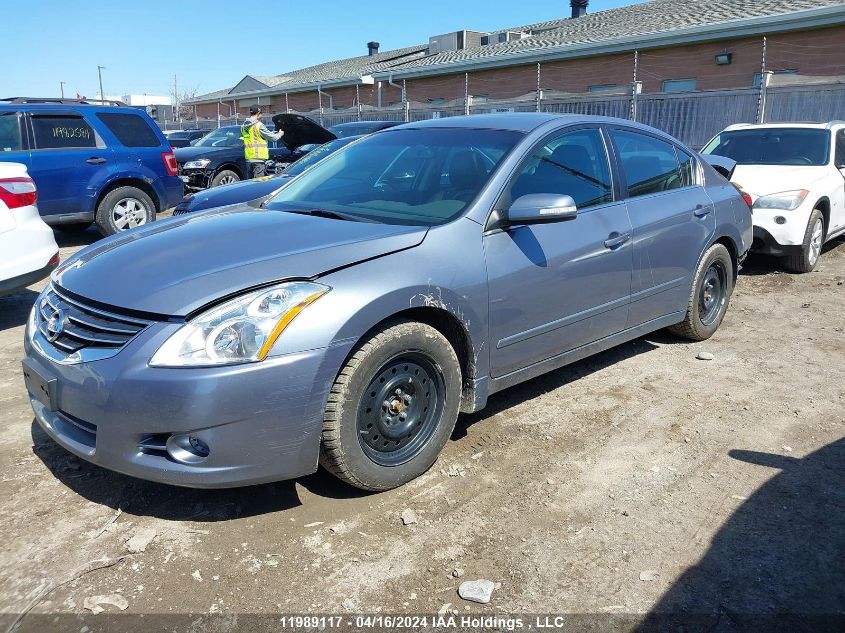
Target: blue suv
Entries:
(104, 163)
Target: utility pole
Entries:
(100, 70)
(62, 88)
(176, 97)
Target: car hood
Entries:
(174, 267)
(762, 180)
(242, 191)
(300, 130)
(184, 154)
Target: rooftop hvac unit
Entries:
(503, 36)
(455, 41)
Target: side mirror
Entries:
(536, 208)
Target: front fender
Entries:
(445, 272)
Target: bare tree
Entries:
(181, 110)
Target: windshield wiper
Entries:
(333, 215)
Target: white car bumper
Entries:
(27, 245)
(780, 227)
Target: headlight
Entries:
(241, 330)
(786, 200)
(197, 164)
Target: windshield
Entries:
(223, 137)
(358, 129)
(773, 146)
(315, 156)
(417, 176)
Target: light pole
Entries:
(62, 88)
(100, 75)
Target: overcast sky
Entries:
(210, 44)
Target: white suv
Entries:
(795, 175)
(28, 250)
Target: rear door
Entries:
(837, 207)
(672, 217)
(67, 157)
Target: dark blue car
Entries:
(100, 163)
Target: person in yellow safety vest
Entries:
(255, 136)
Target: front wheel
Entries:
(224, 177)
(806, 259)
(392, 407)
(711, 292)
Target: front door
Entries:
(67, 155)
(837, 204)
(557, 286)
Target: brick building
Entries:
(665, 45)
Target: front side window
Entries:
(574, 164)
(649, 164)
(62, 132)
(415, 176)
(773, 146)
(130, 130)
(10, 132)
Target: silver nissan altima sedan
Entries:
(351, 318)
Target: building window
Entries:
(679, 85)
(758, 77)
(437, 101)
(605, 88)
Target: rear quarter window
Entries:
(63, 132)
(131, 130)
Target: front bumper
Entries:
(775, 230)
(195, 179)
(261, 421)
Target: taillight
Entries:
(745, 195)
(170, 163)
(18, 192)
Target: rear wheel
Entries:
(392, 407)
(711, 292)
(805, 260)
(124, 208)
(224, 177)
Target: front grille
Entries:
(71, 326)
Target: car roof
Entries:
(766, 126)
(368, 123)
(69, 107)
(522, 121)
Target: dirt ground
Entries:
(640, 481)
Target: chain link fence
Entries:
(692, 117)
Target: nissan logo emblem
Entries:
(56, 324)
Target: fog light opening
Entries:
(780, 220)
(187, 449)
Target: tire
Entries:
(811, 249)
(710, 295)
(224, 177)
(124, 208)
(75, 227)
(392, 407)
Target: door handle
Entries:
(701, 211)
(617, 240)
(95, 160)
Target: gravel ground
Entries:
(640, 481)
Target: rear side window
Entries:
(649, 164)
(10, 132)
(688, 178)
(130, 130)
(840, 149)
(62, 132)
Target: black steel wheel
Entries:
(400, 408)
(392, 407)
(712, 292)
(709, 296)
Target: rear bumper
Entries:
(8, 286)
(171, 192)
